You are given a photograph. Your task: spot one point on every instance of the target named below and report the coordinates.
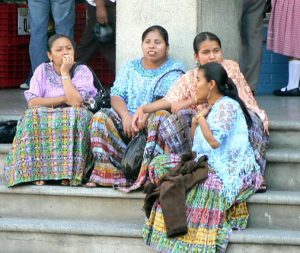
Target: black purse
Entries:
(102, 98)
(7, 131)
(133, 158)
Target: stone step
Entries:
(76, 236)
(284, 134)
(65, 202)
(273, 209)
(283, 169)
(285, 139)
(282, 172)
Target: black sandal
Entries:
(263, 188)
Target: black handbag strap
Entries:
(162, 76)
(98, 85)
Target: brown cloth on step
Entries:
(172, 191)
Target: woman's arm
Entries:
(161, 104)
(119, 105)
(49, 102)
(73, 97)
(141, 115)
(207, 133)
(200, 120)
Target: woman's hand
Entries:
(101, 15)
(127, 126)
(68, 62)
(141, 123)
(138, 119)
(179, 105)
(203, 113)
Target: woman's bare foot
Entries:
(65, 182)
(90, 185)
(263, 188)
(39, 182)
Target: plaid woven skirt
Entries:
(50, 144)
(109, 143)
(210, 217)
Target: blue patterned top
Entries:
(234, 160)
(135, 84)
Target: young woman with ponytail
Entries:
(215, 207)
(182, 100)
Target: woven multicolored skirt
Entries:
(109, 143)
(210, 217)
(50, 144)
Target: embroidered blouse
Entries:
(139, 86)
(46, 83)
(234, 160)
(186, 87)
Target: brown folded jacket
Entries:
(172, 192)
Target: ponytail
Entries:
(230, 90)
(215, 71)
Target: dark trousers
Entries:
(88, 46)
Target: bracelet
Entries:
(65, 77)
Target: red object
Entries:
(9, 25)
(14, 55)
(14, 52)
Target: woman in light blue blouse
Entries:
(139, 82)
(213, 208)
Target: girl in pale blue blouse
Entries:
(221, 131)
(139, 82)
(135, 84)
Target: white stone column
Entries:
(178, 17)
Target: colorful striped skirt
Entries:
(210, 217)
(109, 143)
(50, 144)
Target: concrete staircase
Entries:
(37, 219)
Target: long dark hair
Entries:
(203, 36)
(56, 37)
(215, 71)
(162, 31)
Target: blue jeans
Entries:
(63, 12)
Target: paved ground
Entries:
(13, 104)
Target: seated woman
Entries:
(207, 48)
(216, 206)
(138, 83)
(52, 141)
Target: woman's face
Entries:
(154, 47)
(203, 86)
(209, 51)
(60, 47)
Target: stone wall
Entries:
(178, 17)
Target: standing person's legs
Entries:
(63, 12)
(87, 45)
(38, 19)
(251, 36)
(108, 49)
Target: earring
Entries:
(208, 96)
(196, 63)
